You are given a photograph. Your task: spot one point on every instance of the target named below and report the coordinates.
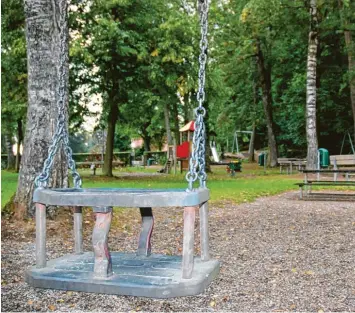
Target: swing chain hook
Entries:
(197, 163)
(61, 133)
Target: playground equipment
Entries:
(350, 142)
(235, 139)
(140, 273)
(184, 149)
(233, 167)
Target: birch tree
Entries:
(311, 108)
(42, 37)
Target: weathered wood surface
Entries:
(123, 197)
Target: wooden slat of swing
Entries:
(122, 197)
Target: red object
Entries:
(183, 150)
(190, 126)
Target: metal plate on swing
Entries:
(122, 197)
(156, 276)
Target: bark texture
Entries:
(311, 105)
(42, 37)
(265, 83)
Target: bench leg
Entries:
(41, 259)
(205, 253)
(188, 243)
(144, 245)
(102, 262)
(78, 230)
(301, 193)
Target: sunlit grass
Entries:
(251, 183)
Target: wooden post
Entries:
(144, 245)
(78, 230)
(188, 242)
(205, 254)
(41, 259)
(103, 262)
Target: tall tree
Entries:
(265, 83)
(311, 105)
(42, 37)
(346, 7)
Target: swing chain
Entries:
(61, 134)
(197, 164)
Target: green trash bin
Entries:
(150, 161)
(323, 157)
(261, 159)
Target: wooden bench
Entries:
(290, 163)
(341, 161)
(307, 185)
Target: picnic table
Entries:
(308, 183)
(290, 163)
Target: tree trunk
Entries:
(265, 83)
(110, 137)
(146, 137)
(167, 124)
(252, 137)
(147, 143)
(351, 60)
(186, 107)
(251, 145)
(19, 142)
(43, 50)
(311, 106)
(176, 122)
(10, 153)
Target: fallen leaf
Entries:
(51, 307)
(69, 293)
(212, 303)
(309, 272)
(320, 311)
(60, 300)
(294, 270)
(292, 306)
(30, 302)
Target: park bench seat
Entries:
(342, 160)
(121, 197)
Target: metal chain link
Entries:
(61, 133)
(197, 164)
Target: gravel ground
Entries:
(277, 253)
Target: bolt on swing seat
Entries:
(135, 274)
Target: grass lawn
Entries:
(246, 186)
